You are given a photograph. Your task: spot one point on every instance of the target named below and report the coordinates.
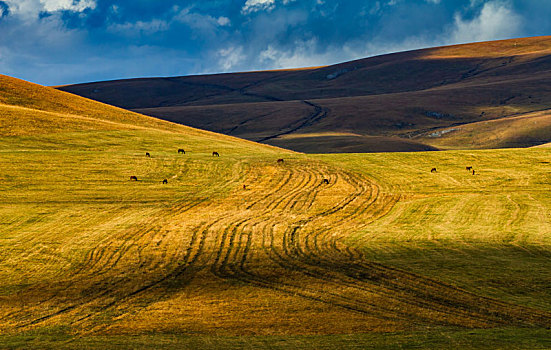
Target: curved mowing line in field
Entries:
(289, 240)
(104, 260)
(443, 304)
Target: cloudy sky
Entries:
(69, 41)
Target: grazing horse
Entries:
(469, 168)
(215, 154)
(165, 181)
(133, 178)
(433, 170)
(280, 160)
(181, 150)
(147, 154)
(325, 181)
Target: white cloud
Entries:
(257, 5)
(223, 21)
(138, 27)
(204, 24)
(78, 6)
(264, 5)
(495, 21)
(31, 8)
(303, 54)
(230, 58)
(199, 23)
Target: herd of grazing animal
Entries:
(469, 169)
(165, 181)
(214, 154)
(279, 161)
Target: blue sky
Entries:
(69, 41)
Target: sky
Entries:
(54, 42)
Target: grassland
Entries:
(396, 102)
(386, 255)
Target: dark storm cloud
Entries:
(67, 41)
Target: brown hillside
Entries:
(404, 95)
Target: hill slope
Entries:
(407, 95)
(90, 259)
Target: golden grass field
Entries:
(386, 255)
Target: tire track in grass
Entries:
(292, 257)
(291, 242)
(222, 271)
(294, 252)
(102, 260)
(331, 264)
(189, 261)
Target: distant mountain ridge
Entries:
(408, 101)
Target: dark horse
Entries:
(433, 170)
(280, 160)
(469, 168)
(215, 154)
(165, 181)
(325, 181)
(133, 178)
(181, 150)
(147, 154)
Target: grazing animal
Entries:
(325, 181)
(133, 178)
(165, 181)
(433, 170)
(469, 168)
(181, 150)
(473, 171)
(215, 154)
(280, 160)
(147, 154)
(244, 187)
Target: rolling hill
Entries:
(384, 255)
(408, 101)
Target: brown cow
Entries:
(165, 181)
(325, 181)
(215, 154)
(280, 160)
(133, 178)
(433, 170)
(469, 168)
(181, 150)
(147, 154)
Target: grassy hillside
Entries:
(384, 255)
(407, 96)
(517, 131)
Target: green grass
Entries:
(489, 233)
(434, 339)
